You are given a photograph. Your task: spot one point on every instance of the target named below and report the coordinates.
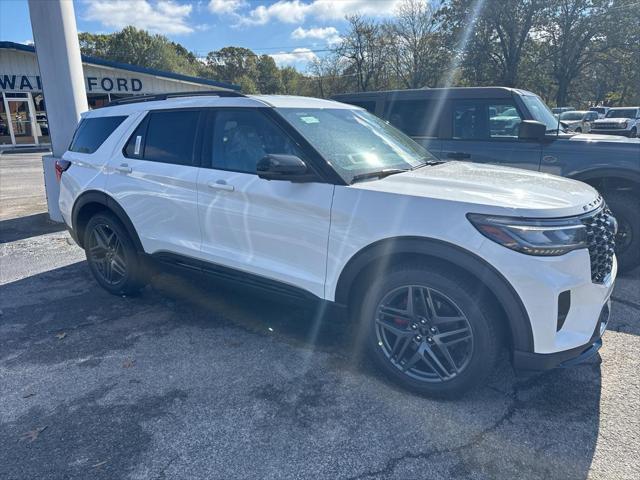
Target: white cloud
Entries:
(299, 57)
(162, 16)
(328, 34)
(297, 11)
(226, 6)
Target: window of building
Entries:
(416, 118)
(42, 122)
(243, 137)
(5, 134)
(170, 136)
(97, 100)
(92, 132)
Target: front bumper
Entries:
(621, 132)
(528, 361)
(540, 282)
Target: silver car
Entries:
(578, 121)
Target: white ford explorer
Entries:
(440, 264)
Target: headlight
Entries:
(532, 236)
(624, 125)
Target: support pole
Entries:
(56, 40)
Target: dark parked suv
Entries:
(514, 127)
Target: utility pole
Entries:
(56, 40)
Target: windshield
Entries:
(598, 109)
(622, 113)
(572, 116)
(354, 141)
(540, 112)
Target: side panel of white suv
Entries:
(438, 263)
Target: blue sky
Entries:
(293, 31)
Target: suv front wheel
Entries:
(111, 255)
(428, 330)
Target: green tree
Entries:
(268, 79)
(229, 64)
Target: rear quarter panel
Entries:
(87, 170)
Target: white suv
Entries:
(623, 121)
(440, 264)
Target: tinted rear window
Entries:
(369, 106)
(418, 118)
(92, 132)
(170, 136)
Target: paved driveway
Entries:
(190, 380)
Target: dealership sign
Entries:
(28, 83)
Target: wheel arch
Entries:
(611, 179)
(376, 257)
(93, 201)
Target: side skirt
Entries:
(256, 283)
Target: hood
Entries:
(492, 189)
(634, 143)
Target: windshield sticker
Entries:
(309, 119)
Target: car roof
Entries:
(623, 108)
(453, 92)
(200, 101)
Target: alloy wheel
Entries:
(424, 333)
(107, 254)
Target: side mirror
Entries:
(532, 130)
(283, 167)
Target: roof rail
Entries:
(165, 96)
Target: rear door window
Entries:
(92, 132)
(171, 136)
(470, 120)
(416, 118)
(165, 136)
(370, 106)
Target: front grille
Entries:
(607, 126)
(601, 238)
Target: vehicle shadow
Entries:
(28, 226)
(325, 400)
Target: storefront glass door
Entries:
(5, 134)
(21, 120)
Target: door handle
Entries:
(124, 168)
(221, 185)
(458, 155)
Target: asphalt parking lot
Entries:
(191, 380)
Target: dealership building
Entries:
(23, 116)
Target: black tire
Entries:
(109, 248)
(633, 133)
(578, 130)
(625, 207)
(476, 357)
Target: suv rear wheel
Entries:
(111, 255)
(428, 330)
